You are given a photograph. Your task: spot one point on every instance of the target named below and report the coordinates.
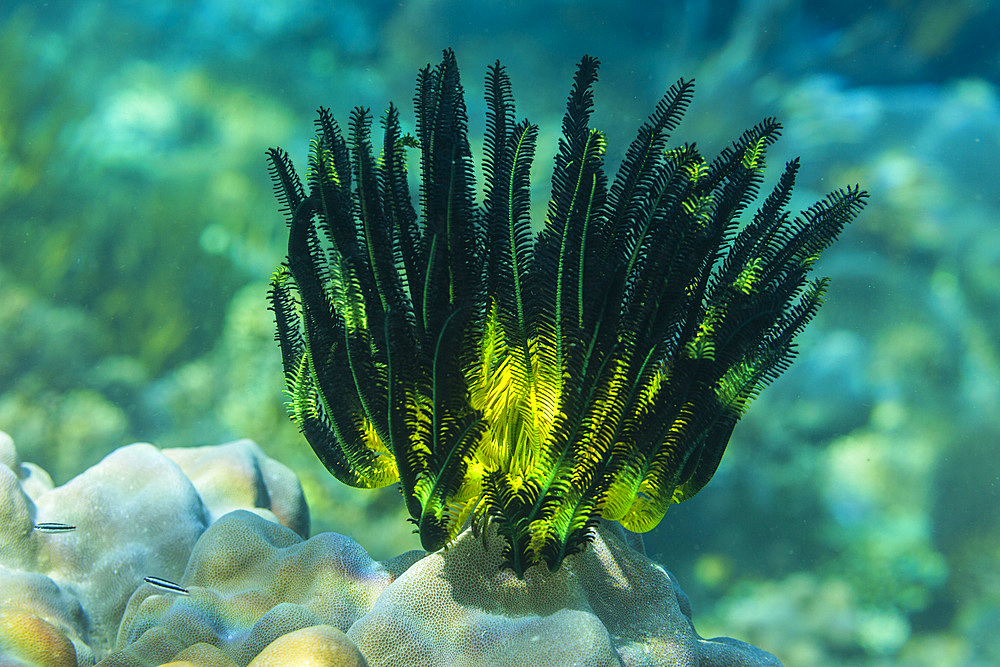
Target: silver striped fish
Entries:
(53, 527)
(166, 585)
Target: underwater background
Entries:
(855, 517)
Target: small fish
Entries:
(53, 527)
(166, 585)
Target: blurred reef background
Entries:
(855, 519)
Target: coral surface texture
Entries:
(198, 556)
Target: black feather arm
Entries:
(287, 185)
(638, 182)
(447, 193)
(394, 192)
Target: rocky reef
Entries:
(200, 556)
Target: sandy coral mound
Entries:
(609, 605)
(227, 524)
(136, 513)
(253, 583)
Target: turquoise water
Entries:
(854, 519)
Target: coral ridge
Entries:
(239, 584)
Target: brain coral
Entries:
(608, 605)
(251, 581)
(228, 525)
(136, 513)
